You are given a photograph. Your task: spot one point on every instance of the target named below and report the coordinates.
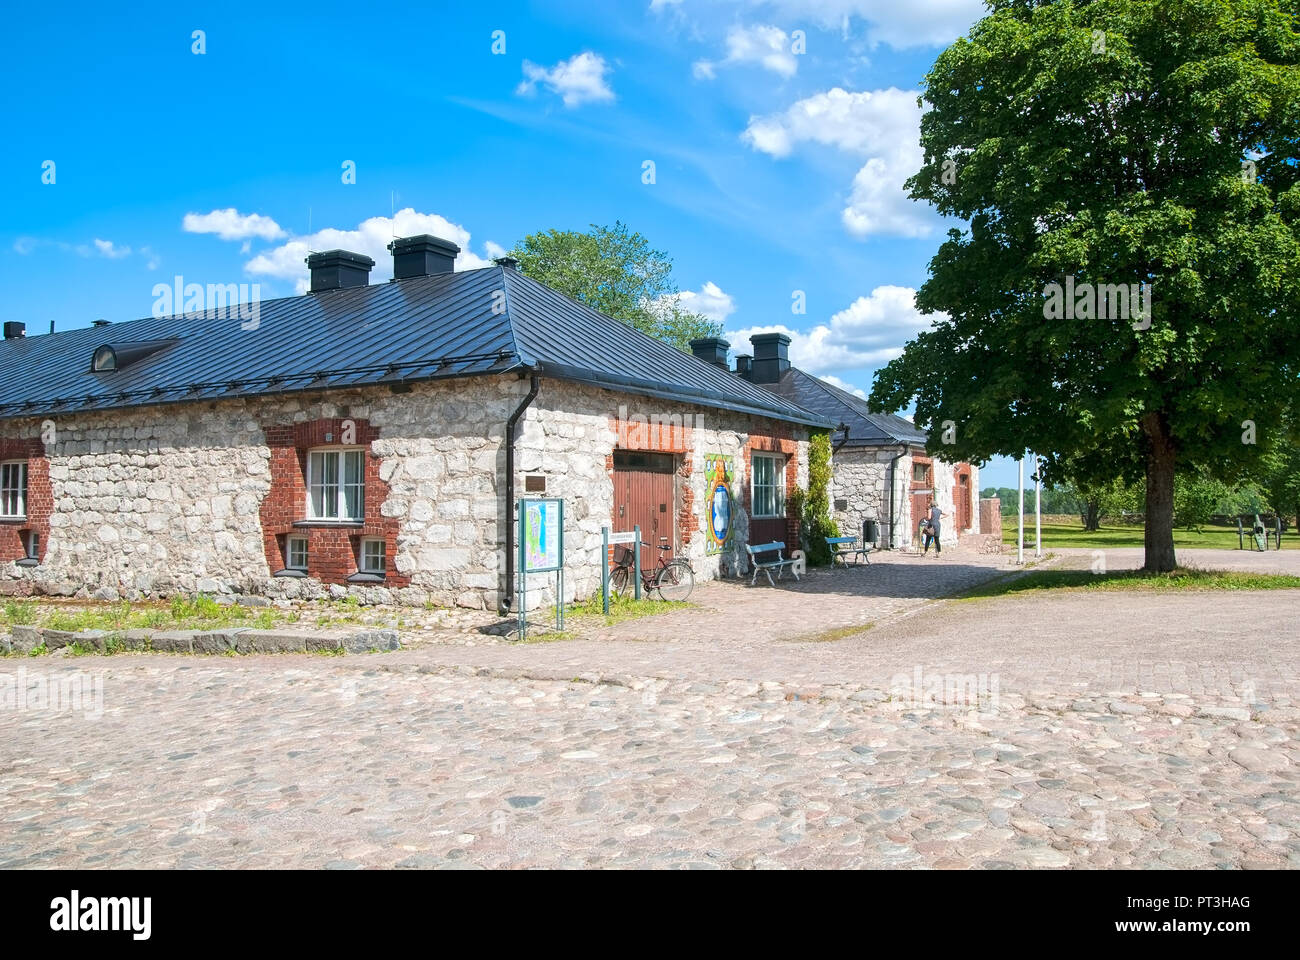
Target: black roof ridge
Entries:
(657, 388)
(862, 408)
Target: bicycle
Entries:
(673, 580)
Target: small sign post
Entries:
(611, 539)
(541, 550)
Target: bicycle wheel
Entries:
(619, 578)
(676, 581)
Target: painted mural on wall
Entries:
(718, 470)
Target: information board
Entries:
(542, 537)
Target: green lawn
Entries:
(1117, 535)
(1182, 579)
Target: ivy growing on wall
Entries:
(814, 507)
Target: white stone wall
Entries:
(166, 499)
(861, 477)
(160, 500)
(567, 436)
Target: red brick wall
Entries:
(333, 551)
(664, 438)
(40, 500)
(781, 442)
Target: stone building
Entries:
(881, 470)
(373, 439)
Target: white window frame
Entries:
(340, 488)
(289, 553)
(366, 566)
(12, 495)
(777, 486)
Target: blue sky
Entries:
(778, 155)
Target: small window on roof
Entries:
(105, 359)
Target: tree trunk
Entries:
(1159, 527)
(1092, 516)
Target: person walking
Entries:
(936, 524)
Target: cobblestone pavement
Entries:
(1080, 730)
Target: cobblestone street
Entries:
(1119, 730)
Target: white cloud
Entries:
(770, 47)
(844, 385)
(578, 80)
(371, 237)
(867, 333)
(881, 125)
(709, 301)
(106, 248)
(898, 23)
(911, 23)
(230, 224)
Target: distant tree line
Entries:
(1198, 498)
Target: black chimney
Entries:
(335, 269)
(771, 356)
(743, 368)
(99, 323)
(422, 256)
(711, 350)
(15, 329)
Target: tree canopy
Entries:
(615, 271)
(1099, 146)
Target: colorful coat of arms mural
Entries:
(718, 476)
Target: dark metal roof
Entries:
(570, 340)
(866, 427)
(425, 328)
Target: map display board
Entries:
(542, 537)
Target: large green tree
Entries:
(617, 272)
(1113, 142)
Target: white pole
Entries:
(1020, 514)
(1038, 507)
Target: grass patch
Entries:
(833, 634)
(1210, 537)
(621, 608)
(1182, 579)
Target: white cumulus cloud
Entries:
(882, 127)
(230, 224)
(767, 46)
(371, 237)
(867, 333)
(578, 80)
(710, 301)
(901, 25)
(106, 248)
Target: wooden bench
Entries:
(780, 564)
(844, 547)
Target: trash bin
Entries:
(870, 532)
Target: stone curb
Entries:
(1117, 707)
(240, 640)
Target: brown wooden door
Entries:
(961, 498)
(922, 492)
(645, 495)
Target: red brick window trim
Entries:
(779, 442)
(334, 546)
(19, 534)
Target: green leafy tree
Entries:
(615, 271)
(1109, 143)
(1197, 497)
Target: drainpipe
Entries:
(845, 427)
(893, 482)
(508, 598)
